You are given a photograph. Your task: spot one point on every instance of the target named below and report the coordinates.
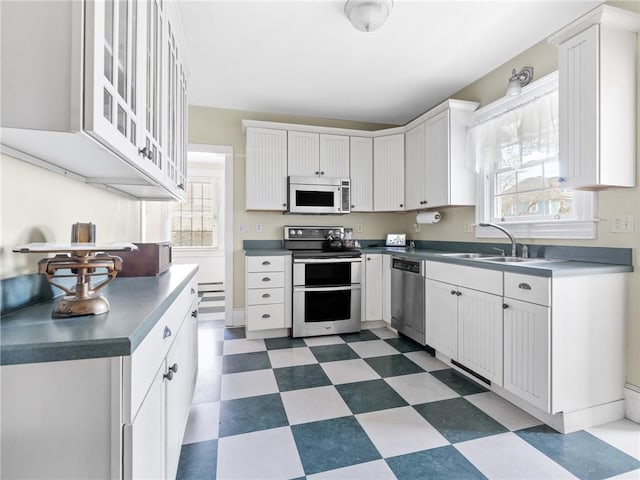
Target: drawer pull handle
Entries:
(266, 279)
(166, 333)
(266, 262)
(194, 314)
(266, 295)
(266, 315)
(524, 286)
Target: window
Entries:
(194, 223)
(515, 142)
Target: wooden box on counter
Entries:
(150, 259)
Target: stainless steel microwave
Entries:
(318, 195)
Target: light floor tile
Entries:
(267, 454)
(373, 348)
(313, 404)
(426, 361)
(384, 332)
(506, 456)
(248, 384)
(203, 422)
(376, 470)
(323, 340)
(397, 431)
(622, 434)
(504, 412)
(348, 371)
(420, 388)
(242, 345)
(291, 357)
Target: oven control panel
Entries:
(311, 233)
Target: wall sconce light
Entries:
(519, 80)
(367, 15)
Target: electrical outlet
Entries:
(622, 223)
(468, 227)
(241, 228)
(359, 228)
(416, 227)
(258, 228)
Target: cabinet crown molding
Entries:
(615, 17)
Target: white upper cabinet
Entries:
(322, 155)
(388, 173)
(437, 173)
(266, 176)
(597, 73)
(101, 95)
(361, 174)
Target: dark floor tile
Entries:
(283, 342)
(370, 396)
(393, 365)
(404, 344)
(458, 420)
(233, 333)
(251, 414)
(584, 455)
(361, 336)
(198, 460)
(245, 362)
(443, 463)
(458, 382)
(300, 376)
(331, 444)
(332, 353)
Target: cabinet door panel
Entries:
(388, 173)
(480, 333)
(303, 153)
(527, 351)
(334, 156)
(442, 317)
(361, 167)
(373, 287)
(437, 182)
(266, 176)
(415, 168)
(386, 288)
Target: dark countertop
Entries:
(258, 252)
(30, 335)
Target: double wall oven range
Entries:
(326, 281)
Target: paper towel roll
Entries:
(428, 217)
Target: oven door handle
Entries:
(326, 289)
(328, 260)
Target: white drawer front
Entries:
(265, 296)
(146, 359)
(262, 317)
(528, 288)
(266, 264)
(265, 280)
(481, 279)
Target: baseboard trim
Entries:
(632, 402)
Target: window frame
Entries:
(581, 226)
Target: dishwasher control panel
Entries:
(411, 266)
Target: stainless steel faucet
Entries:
(514, 245)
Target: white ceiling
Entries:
(303, 56)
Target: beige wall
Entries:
(543, 58)
(217, 126)
(39, 206)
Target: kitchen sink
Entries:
(516, 259)
(464, 255)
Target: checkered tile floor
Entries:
(372, 405)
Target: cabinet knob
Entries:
(194, 314)
(166, 332)
(321, 173)
(524, 286)
(402, 205)
(174, 368)
(266, 262)
(266, 279)
(317, 172)
(266, 295)
(368, 259)
(284, 204)
(458, 293)
(193, 291)
(505, 306)
(168, 375)
(145, 152)
(353, 206)
(453, 292)
(266, 315)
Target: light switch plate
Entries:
(622, 223)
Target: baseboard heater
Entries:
(471, 372)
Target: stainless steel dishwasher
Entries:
(407, 298)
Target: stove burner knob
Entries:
(299, 232)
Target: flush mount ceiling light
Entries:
(519, 80)
(367, 15)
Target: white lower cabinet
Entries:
(386, 288)
(268, 294)
(442, 317)
(372, 292)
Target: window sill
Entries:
(197, 251)
(555, 229)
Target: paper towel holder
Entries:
(428, 217)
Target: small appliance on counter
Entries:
(79, 259)
(150, 259)
(396, 240)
